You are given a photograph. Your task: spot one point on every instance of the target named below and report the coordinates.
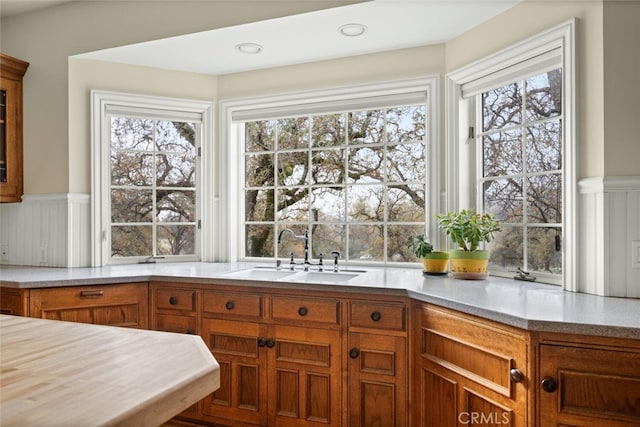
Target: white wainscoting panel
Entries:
(46, 230)
(609, 231)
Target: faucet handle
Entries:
(336, 256)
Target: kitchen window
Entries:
(356, 171)
(514, 153)
(149, 180)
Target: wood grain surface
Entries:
(55, 373)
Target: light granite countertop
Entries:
(531, 306)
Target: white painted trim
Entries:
(230, 168)
(610, 230)
(561, 36)
(100, 179)
(609, 184)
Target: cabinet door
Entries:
(471, 371)
(377, 380)
(115, 305)
(588, 387)
(11, 170)
(14, 301)
(304, 377)
(239, 348)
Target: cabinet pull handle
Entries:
(516, 375)
(262, 342)
(229, 305)
(354, 353)
(376, 316)
(173, 300)
(91, 294)
(549, 384)
(271, 343)
(303, 311)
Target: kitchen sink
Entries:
(270, 273)
(322, 277)
(260, 274)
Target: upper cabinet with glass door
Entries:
(11, 72)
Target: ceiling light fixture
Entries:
(249, 48)
(352, 30)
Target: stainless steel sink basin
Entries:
(260, 274)
(285, 275)
(320, 277)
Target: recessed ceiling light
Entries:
(249, 48)
(352, 30)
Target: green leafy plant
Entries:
(468, 228)
(419, 245)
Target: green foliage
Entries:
(419, 245)
(468, 228)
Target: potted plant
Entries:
(468, 229)
(433, 262)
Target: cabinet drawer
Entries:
(233, 304)
(316, 310)
(180, 324)
(375, 315)
(109, 304)
(176, 299)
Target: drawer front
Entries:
(316, 310)
(176, 299)
(179, 324)
(375, 315)
(108, 304)
(233, 304)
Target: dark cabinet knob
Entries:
(173, 300)
(516, 375)
(376, 316)
(303, 311)
(262, 342)
(354, 353)
(229, 305)
(271, 343)
(549, 384)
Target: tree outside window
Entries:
(356, 180)
(521, 181)
(153, 187)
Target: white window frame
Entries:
(101, 101)
(231, 178)
(461, 156)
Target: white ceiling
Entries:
(314, 36)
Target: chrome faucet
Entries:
(304, 237)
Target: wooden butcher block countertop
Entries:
(55, 373)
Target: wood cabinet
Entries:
(12, 71)
(279, 357)
(14, 301)
(175, 309)
(377, 364)
(586, 381)
(470, 370)
(124, 304)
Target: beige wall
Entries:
(621, 88)
(530, 18)
(48, 37)
(398, 64)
